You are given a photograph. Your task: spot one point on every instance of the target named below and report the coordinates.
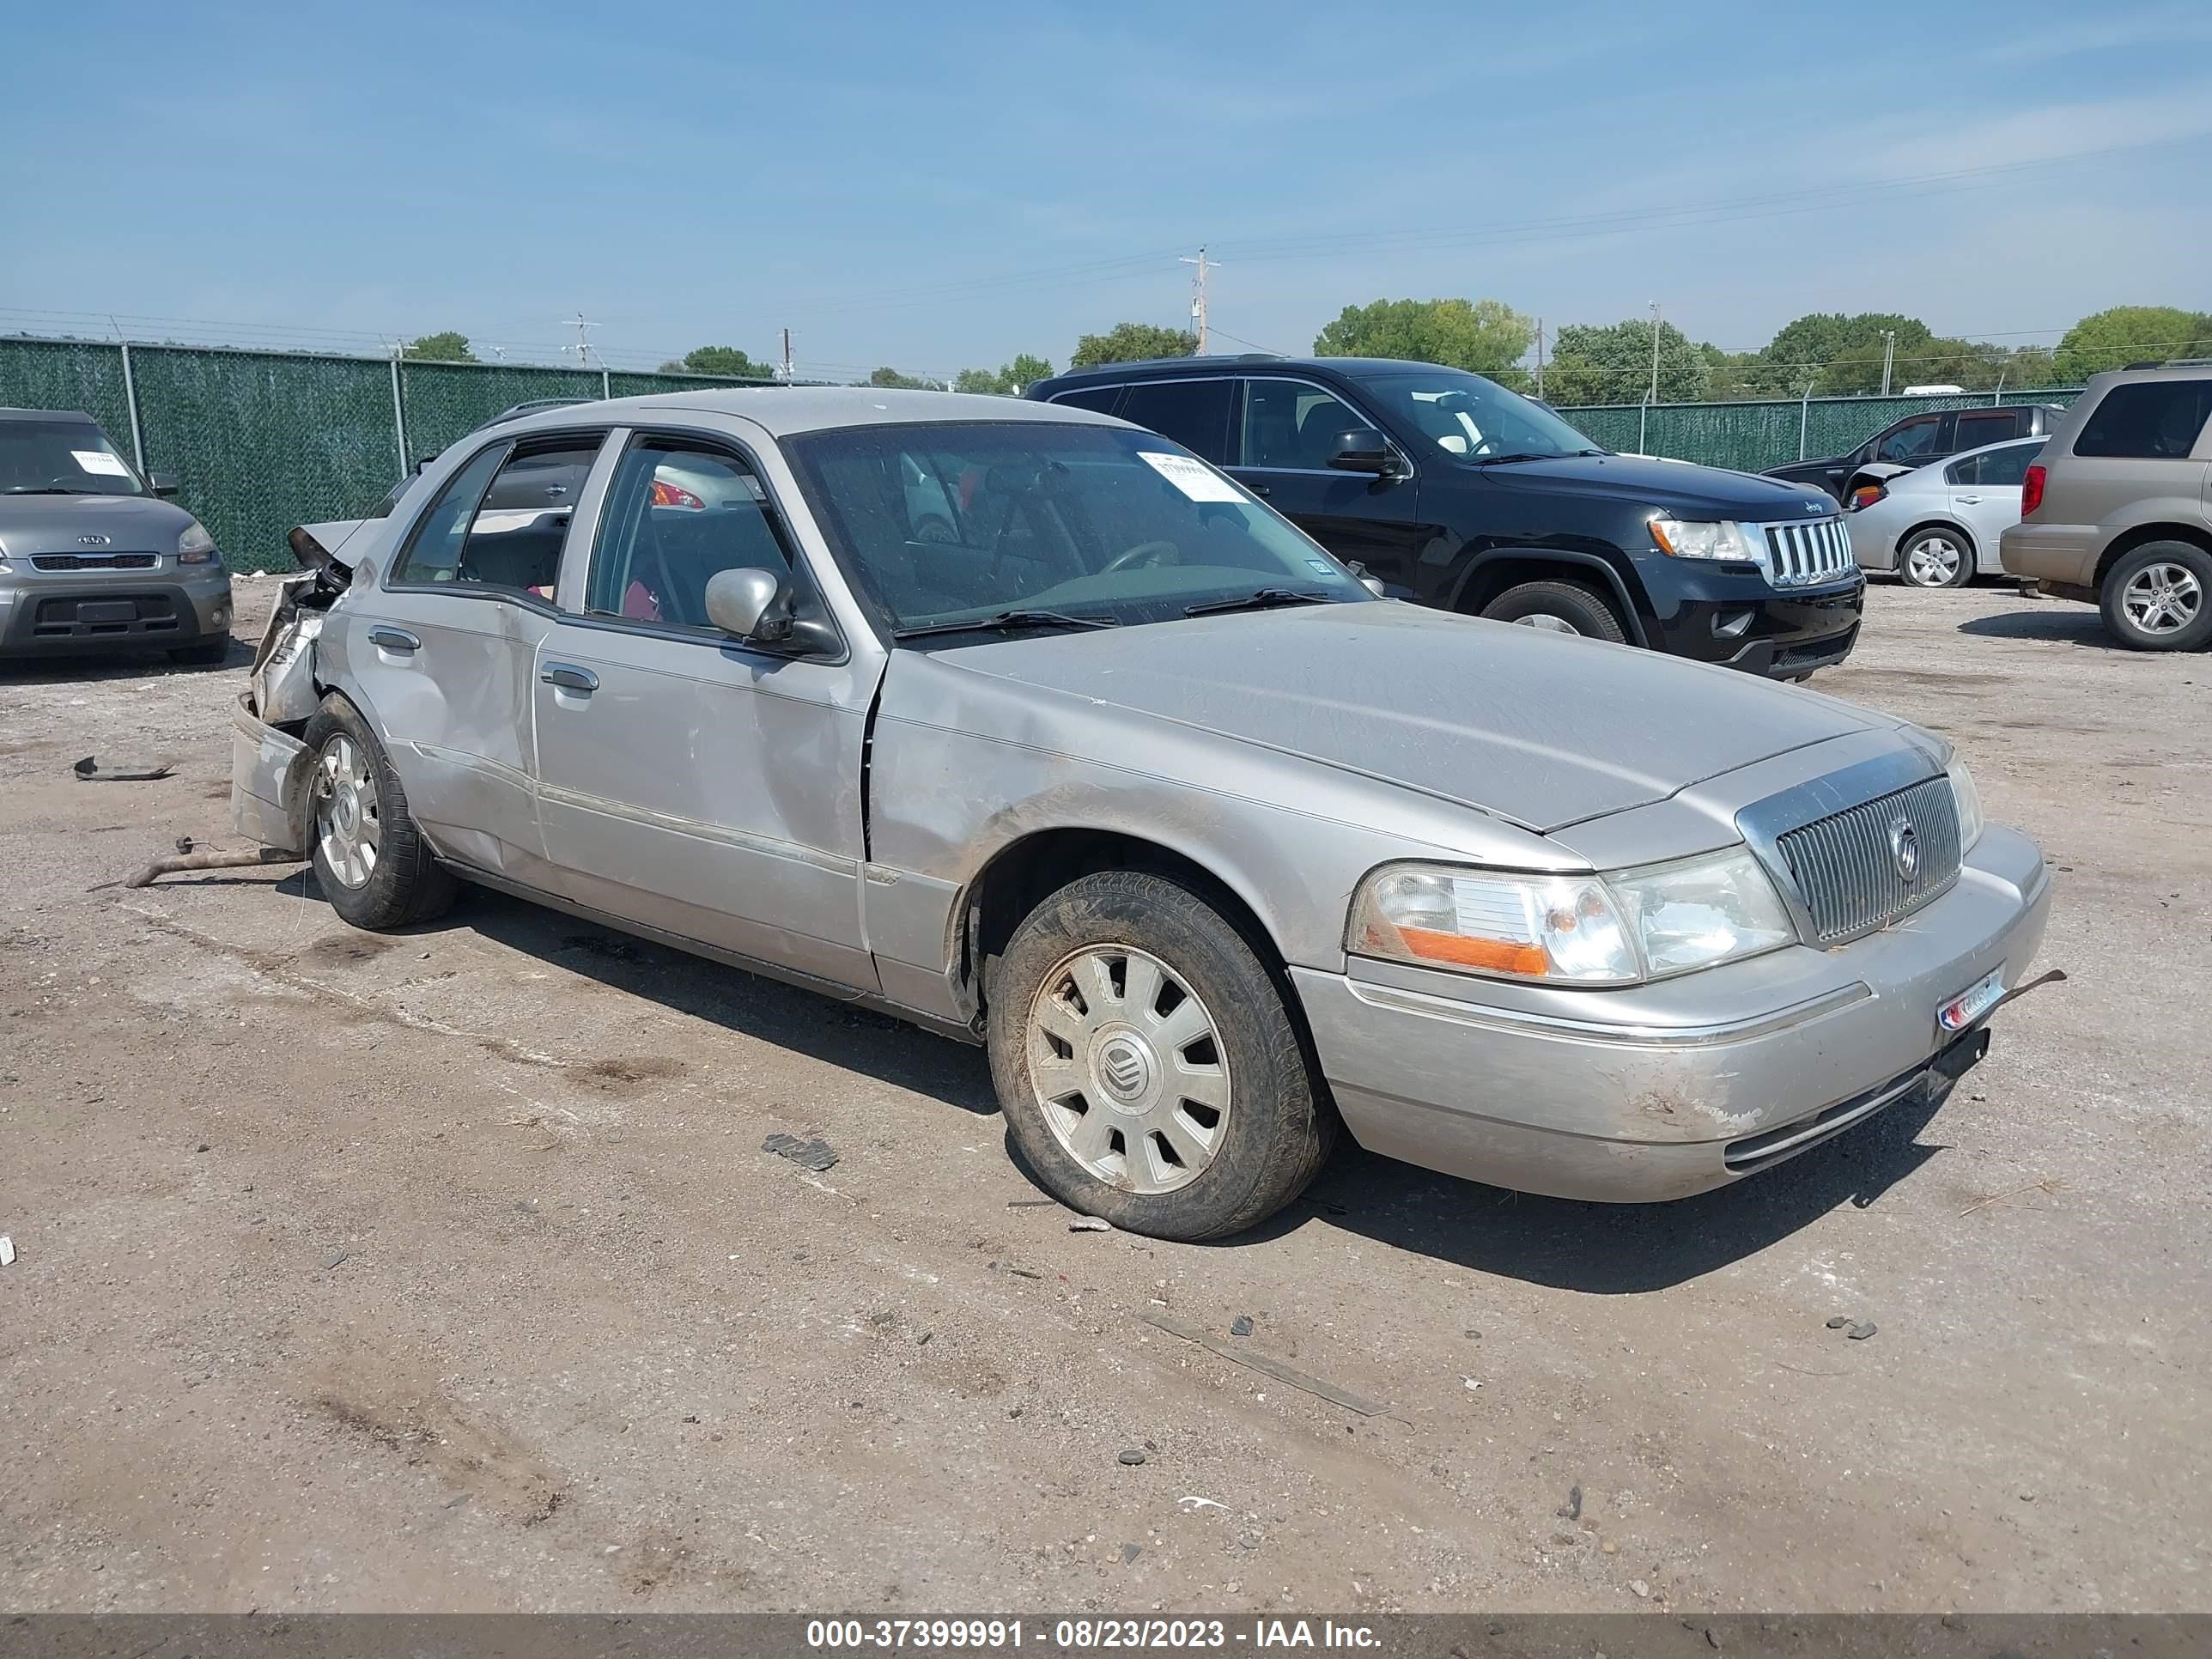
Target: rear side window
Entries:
(2149, 420)
(1193, 413)
(675, 518)
(501, 520)
(1989, 426)
(1099, 399)
(2006, 467)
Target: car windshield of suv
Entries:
(1469, 418)
(62, 458)
(944, 525)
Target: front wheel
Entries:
(1936, 558)
(369, 859)
(1560, 607)
(2154, 598)
(1149, 1068)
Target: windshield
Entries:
(960, 522)
(1469, 418)
(62, 458)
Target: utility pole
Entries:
(1539, 357)
(1198, 296)
(1654, 397)
(787, 356)
(583, 346)
(1888, 355)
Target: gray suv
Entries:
(91, 557)
(2116, 511)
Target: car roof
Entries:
(1353, 368)
(785, 411)
(47, 415)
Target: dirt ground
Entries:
(445, 1271)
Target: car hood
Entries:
(1542, 729)
(53, 524)
(1674, 487)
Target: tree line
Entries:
(1828, 353)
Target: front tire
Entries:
(369, 859)
(2158, 598)
(1563, 607)
(1149, 1067)
(1936, 558)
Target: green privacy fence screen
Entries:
(261, 441)
(1751, 435)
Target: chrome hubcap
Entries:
(1934, 562)
(1550, 624)
(2162, 599)
(1128, 1068)
(348, 829)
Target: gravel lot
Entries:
(445, 1271)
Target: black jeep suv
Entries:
(1455, 492)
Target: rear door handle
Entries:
(394, 639)
(1969, 500)
(567, 677)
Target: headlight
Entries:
(195, 545)
(1723, 540)
(1968, 797)
(1575, 930)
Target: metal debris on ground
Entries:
(339, 1260)
(1090, 1224)
(1240, 1326)
(7, 1251)
(1133, 1456)
(1032, 1203)
(1861, 1331)
(89, 770)
(1572, 1509)
(1192, 1502)
(1267, 1364)
(816, 1154)
(205, 857)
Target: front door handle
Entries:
(394, 639)
(1260, 490)
(567, 677)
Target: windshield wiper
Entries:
(47, 490)
(1010, 621)
(1260, 599)
(1516, 455)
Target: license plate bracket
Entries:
(106, 610)
(1962, 1010)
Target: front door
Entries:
(1289, 430)
(688, 782)
(442, 652)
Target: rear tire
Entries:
(2158, 598)
(1936, 558)
(1563, 607)
(1189, 1124)
(369, 859)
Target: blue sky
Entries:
(938, 187)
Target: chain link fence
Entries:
(261, 441)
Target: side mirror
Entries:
(164, 484)
(1372, 584)
(1363, 450)
(751, 604)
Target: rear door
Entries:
(1984, 492)
(689, 783)
(1287, 430)
(443, 650)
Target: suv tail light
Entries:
(2031, 490)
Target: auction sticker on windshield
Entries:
(1195, 478)
(99, 460)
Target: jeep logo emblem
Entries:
(1904, 847)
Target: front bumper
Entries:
(45, 617)
(2064, 555)
(1734, 616)
(1677, 1088)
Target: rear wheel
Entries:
(2155, 598)
(1936, 558)
(1150, 1070)
(1560, 607)
(369, 859)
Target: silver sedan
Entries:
(1937, 525)
(1035, 730)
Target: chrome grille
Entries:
(1847, 865)
(94, 560)
(1800, 555)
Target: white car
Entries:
(1937, 525)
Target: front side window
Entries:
(62, 458)
(1913, 441)
(500, 521)
(2149, 420)
(1470, 419)
(1292, 425)
(676, 517)
(1096, 522)
(1193, 413)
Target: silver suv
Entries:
(2116, 511)
(91, 557)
